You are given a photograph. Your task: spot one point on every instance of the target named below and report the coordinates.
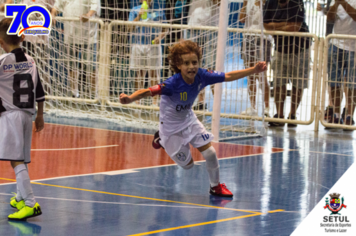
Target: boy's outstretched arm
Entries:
(39, 122)
(139, 94)
(238, 74)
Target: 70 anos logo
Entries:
(21, 25)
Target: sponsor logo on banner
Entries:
(335, 222)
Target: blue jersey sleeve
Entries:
(167, 87)
(211, 77)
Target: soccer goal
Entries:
(85, 66)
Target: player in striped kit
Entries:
(179, 126)
(20, 87)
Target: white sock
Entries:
(212, 166)
(24, 185)
(18, 194)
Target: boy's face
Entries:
(189, 67)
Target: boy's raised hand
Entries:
(124, 99)
(260, 67)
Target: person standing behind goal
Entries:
(341, 60)
(204, 13)
(291, 56)
(179, 126)
(251, 15)
(146, 48)
(81, 39)
(20, 87)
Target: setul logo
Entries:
(335, 206)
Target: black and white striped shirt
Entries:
(20, 84)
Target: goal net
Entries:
(86, 65)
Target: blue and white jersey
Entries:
(145, 34)
(178, 97)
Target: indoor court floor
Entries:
(100, 178)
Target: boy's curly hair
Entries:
(9, 39)
(179, 49)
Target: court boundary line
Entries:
(113, 203)
(119, 131)
(138, 197)
(212, 141)
(203, 223)
(141, 168)
(133, 204)
(72, 149)
(167, 165)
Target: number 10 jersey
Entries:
(20, 84)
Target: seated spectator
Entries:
(291, 57)
(251, 15)
(341, 61)
(146, 49)
(80, 39)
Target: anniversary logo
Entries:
(335, 222)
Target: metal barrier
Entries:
(311, 79)
(316, 90)
(340, 75)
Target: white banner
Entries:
(335, 214)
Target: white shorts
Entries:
(146, 57)
(177, 145)
(15, 136)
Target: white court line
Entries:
(126, 171)
(118, 131)
(114, 203)
(134, 204)
(213, 141)
(330, 153)
(144, 168)
(67, 149)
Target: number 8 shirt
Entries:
(20, 87)
(20, 84)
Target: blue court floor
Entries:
(273, 191)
